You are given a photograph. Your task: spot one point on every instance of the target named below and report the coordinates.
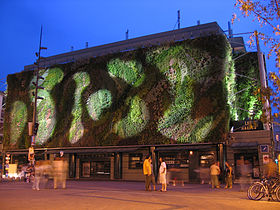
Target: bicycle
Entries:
(266, 187)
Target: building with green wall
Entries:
(107, 106)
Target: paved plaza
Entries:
(125, 195)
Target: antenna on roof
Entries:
(178, 19)
(198, 22)
(72, 48)
(229, 30)
(86, 44)
(126, 35)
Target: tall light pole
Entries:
(35, 124)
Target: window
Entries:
(135, 161)
(175, 159)
(206, 160)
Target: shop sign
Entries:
(246, 125)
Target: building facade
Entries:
(170, 94)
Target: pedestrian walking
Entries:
(214, 173)
(60, 167)
(245, 170)
(162, 175)
(147, 171)
(228, 178)
(38, 176)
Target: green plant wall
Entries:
(247, 101)
(174, 93)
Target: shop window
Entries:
(206, 160)
(175, 160)
(135, 161)
(100, 168)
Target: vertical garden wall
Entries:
(174, 93)
(248, 100)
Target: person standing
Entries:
(162, 175)
(214, 173)
(153, 177)
(147, 171)
(228, 176)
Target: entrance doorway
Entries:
(247, 164)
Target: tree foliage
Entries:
(267, 14)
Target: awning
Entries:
(182, 148)
(244, 145)
(103, 150)
(18, 152)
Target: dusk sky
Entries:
(69, 23)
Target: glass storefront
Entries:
(95, 166)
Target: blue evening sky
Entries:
(69, 23)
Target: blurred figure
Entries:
(228, 177)
(38, 176)
(270, 169)
(147, 171)
(46, 169)
(214, 173)
(153, 177)
(245, 173)
(176, 176)
(162, 174)
(204, 175)
(60, 167)
(21, 173)
(30, 173)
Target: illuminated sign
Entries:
(246, 125)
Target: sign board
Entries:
(246, 125)
(31, 154)
(30, 128)
(12, 168)
(265, 159)
(31, 150)
(32, 140)
(264, 148)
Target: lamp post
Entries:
(33, 127)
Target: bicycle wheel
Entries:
(249, 190)
(256, 191)
(277, 193)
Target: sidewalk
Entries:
(125, 195)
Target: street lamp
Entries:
(34, 125)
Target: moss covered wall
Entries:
(173, 93)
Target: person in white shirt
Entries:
(214, 173)
(162, 175)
